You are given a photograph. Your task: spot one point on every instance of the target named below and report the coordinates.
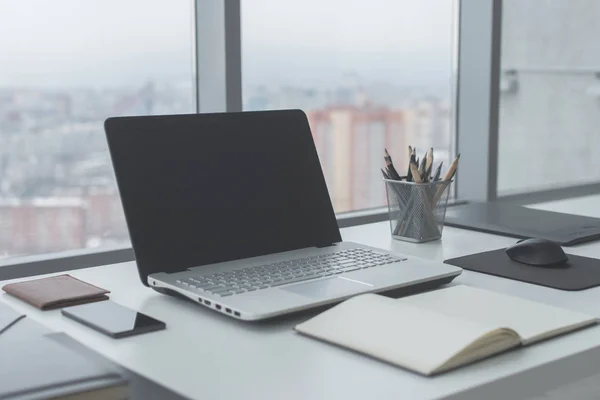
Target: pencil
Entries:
(452, 170)
(429, 158)
(386, 156)
(438, 171)
(447, 178)
(390, 165)
(429, 164)
(413, 159)
(422, 168)
(408, 173)
(386, 176)
(415, 173)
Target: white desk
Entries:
(205, 355)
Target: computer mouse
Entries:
(538, 252)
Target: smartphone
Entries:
(113, 319)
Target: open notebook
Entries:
(440, 330)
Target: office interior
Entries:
(502, 95)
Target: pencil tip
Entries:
(458, 156)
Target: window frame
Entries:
(218, 77)
(477, 98)
(478, 109)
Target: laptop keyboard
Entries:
(286, 272)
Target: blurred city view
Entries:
(368, 75)
(57, 188)
(58, 192)
(353, 122)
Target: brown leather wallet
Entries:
(56, 292)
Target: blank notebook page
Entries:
(530, 319)
(400, 334)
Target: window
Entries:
(369, 75)
(549, 95)
(66, 66)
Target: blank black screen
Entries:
(205, 188)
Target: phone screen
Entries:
(113, 319)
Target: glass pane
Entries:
(549, 95)
(369, 75)
(66, 66)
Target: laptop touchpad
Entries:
(328, 288)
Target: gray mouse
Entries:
(538, 252)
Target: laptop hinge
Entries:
(326, 245)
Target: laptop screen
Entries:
(206, 188)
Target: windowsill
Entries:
(38, 264)
(544, 196)
(26, 259)
(17, 267)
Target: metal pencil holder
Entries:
(417, 210)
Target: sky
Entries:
(317, 40)
(310, 42)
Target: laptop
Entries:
(231, 211)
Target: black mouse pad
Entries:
(578, 273)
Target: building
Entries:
(41, 225)
(427, 124)
(350, 142)
(105, 221)
(49, 224)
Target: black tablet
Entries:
(522, 222)
(113, 319)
